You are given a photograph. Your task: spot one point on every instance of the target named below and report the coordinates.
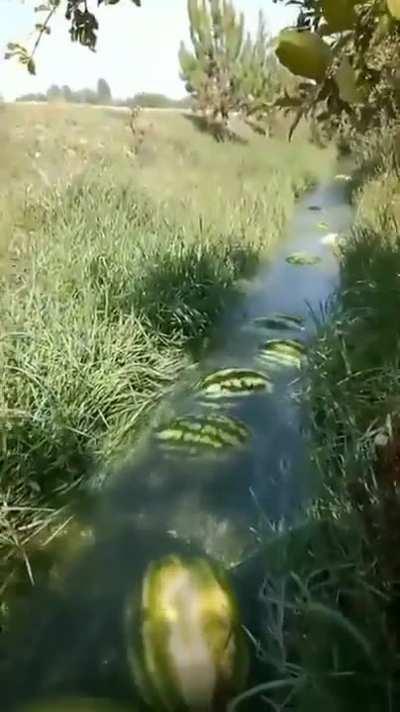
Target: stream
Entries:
(221, 466)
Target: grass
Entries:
(331, 596)
(117, 256)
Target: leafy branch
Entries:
(83, 28)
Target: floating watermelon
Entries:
(282, 322)
(186, 646)
(304, 53)
(198, 433)
(302, 259)
(283, 353)
(230, 382)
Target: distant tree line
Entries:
(102, 96)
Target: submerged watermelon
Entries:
(283, 353)
(230, 382)
(280, 322)
(302, 258)
(188, 651)
(198, 433)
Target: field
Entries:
(120, 245)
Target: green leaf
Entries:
(31, 66)
(42, 8)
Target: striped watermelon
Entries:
(196, 433)
(75, 704)
(302, 258)
(280, 322)
(230, 382)
(186, 647)
(283, 353)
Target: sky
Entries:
(137, 47)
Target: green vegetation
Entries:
(115, 263)
(83, 27)
(350, 49)
(226, 71)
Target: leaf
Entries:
(42, 8)
(138, 3)
(31, 66)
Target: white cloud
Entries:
(137, 48)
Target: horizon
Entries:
(148, 45)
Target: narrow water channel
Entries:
(227, 458)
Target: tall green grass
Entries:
(354, 393)
(109, 293)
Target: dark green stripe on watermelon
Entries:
(234, 382)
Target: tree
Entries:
(83, 26)
(67, 93)
(103, 92)
(217, 33)
(54, 93)
(225, 72)
(258, 78)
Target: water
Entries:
(71, 640)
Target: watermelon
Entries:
(304, 53)
(302, 258)
(75, 704)
(234, 382)
(283, 353)
(283, 322)
(186, 647)
(197, 433)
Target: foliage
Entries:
(216, 32)
(354, 391)
(360, 82)
(227, 72)
(83, 27)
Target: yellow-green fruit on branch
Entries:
(339, 14)
(304, 53)
(72, 704)
(189, 653)
(394, 8)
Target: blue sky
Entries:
(137, 48)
